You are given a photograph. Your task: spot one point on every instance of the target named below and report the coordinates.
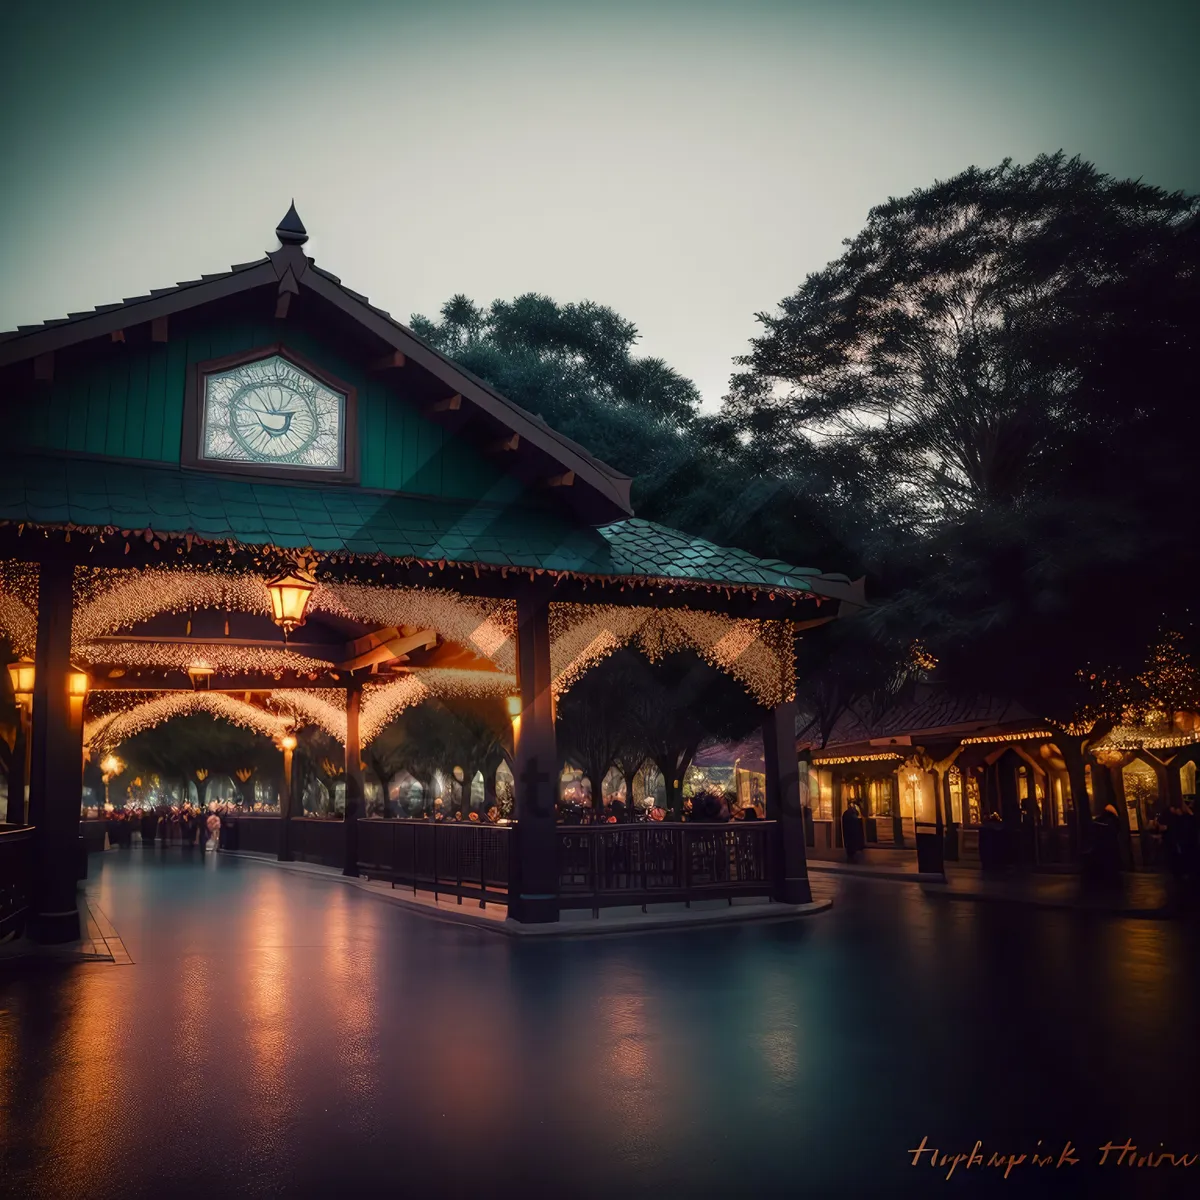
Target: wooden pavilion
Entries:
(937, 760)
(257, 495)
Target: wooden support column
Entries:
(533, 890)
(787, 796)
(354, 779)
(56, 764)
(285, 809)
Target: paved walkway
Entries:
(1139, 894)
(281, 1035)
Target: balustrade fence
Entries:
(604, 865)
(599, 865)
(16, 878)
(439, 856)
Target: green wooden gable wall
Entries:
(126, 401)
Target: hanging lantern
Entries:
(200, 673)
(289, 599)
(21, 674)
(287, 742)
(77, 683)
(514, 706)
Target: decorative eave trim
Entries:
(620, 583)
(19, 346)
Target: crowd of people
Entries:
(178, 825)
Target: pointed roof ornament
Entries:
(290, 231)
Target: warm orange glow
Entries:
(200, 673)
(77, 683)
(112, 765)
(514, 705)
(288, 741)
(290, 594)
(21, 673)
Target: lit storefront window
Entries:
(956, 795)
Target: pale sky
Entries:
(685, 163)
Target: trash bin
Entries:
(930, 857)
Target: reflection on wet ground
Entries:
(283, 1035)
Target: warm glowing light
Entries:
(290, 594)
(77, 683)
(1032, 735)
(836, 760)
(200, 673)
(288, 741)
(111, 765)
(21, 673)
(514, 706)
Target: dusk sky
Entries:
(685, 163)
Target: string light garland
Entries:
(381, 705)
(841, 759)
(758, 654)
(1018, 736)
(18, 606)
(109, 600)
(115, 728)
(223, 658)
(232, 554)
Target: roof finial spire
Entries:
(290, 231)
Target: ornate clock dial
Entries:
(270, 411)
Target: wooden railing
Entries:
(599, 865)
(254, 833)
(16, 877)
(443, 857)
(605, 865)
(318, 840)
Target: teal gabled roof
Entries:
(135, 498)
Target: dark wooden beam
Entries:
(117, 335)
(566, 479)
(388, 361)
(505, 444)
(43, 367)
(448, 404)
(158, 329)
(385, 646)
(281, 305)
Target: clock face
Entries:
(270, 411)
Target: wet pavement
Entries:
(284, 1035)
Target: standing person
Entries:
(852, 831)
(1189, 840)
(1029, 824)
(214, 832)
(1106, 847)
(1171, 828)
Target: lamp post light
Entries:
(286, 743)
(110, 767)
(21, 674)
(290, 594)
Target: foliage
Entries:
(602, 722)
(198, 742)
(995, 374)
